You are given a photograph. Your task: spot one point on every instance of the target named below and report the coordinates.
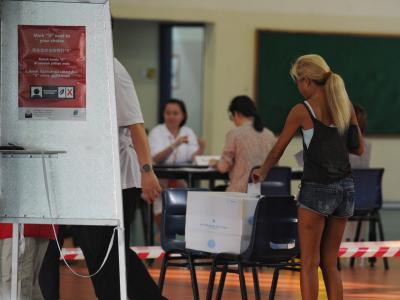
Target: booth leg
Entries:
(122, 265)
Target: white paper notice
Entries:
(254, 189)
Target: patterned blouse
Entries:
(244, 149)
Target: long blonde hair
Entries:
(315, 68)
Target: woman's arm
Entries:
(225, 163)
(294, 120)
(166, 152)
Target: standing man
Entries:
(138, 182)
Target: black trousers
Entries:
(49, 276)
(94, 241)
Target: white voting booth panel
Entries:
(84, 183)
(219, 221)
(77, 140)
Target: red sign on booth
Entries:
(52, 72)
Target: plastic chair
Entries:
(277, 182)
(368, 202)
(273, 243)
(172, 233)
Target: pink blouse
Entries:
(244, 148)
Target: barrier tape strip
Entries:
(348, 249)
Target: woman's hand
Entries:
(258, 175)
(180, 140)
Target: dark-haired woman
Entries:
(245, 145)
(173, 143)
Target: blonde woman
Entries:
(330, 131)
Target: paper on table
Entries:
(203, 160)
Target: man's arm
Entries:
(150, 187)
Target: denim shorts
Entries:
(333, 199)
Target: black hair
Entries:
(181, 105)
(244, 105)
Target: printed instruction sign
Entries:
(51, 72)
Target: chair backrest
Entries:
(172, 230)
(274, 236)
(277, 182)
(368, 189)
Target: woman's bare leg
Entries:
(330, 244)
(311, 226)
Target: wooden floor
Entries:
(362, 282)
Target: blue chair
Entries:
(273, 243)
(368, 202)
(277, 182)
(172, 234)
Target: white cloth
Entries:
(128, 113)
(160, 138)
(363, 161)
(29, 264)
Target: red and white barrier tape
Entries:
(370, 249)
(144, 252)
(352, 249)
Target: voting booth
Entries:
(58, 103)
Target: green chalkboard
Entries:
(369, 65)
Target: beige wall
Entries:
(136, 46)
(230, 52)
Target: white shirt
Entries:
(363, 161)
(160, 138)
(128, 113)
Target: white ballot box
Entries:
(219, 221)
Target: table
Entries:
(191, 173)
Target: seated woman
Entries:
(245, 145)
(173, 143)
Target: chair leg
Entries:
(256, 283)
(274, 284)
(382, 238)
(356, 239)
(211, 279)
(163, 270)
(194, 278)
(372, 236)
(242, 281)
(221, 282)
